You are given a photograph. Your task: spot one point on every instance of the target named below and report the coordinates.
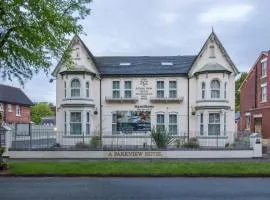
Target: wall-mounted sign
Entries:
(133, 154)
(133, 121)
(144, 107)
(143, 90)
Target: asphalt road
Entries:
(134, 188)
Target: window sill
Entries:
(264, 77)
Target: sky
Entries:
(167, 27)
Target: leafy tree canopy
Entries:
(238, 84)
(34, 32)
(40, 110)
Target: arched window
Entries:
(225, 90)
(203, 90)
(75, 88)
(87, 89)
(215, 88)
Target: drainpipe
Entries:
(188, 111)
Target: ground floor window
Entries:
(160, 122)
(173, 124)
(87, 132)
(201, 124)
(248, 122)
(225, 123)
(214, 124)
(114, 123)
(75, 123)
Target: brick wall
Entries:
(10, 117)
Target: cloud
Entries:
(169, 17)
(226, 13)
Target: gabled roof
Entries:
(76, 37)
(214, 37)
(143, 65)
(13, 95)
(263, 53)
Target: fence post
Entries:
(30, 133)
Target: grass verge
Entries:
(125, 168)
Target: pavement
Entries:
(134, 188)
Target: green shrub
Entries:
(3, 164)
(161, 137)
(95, 142)
(81, 145)
(192, 143)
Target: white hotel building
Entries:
(191, 96)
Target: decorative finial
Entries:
(212, 29)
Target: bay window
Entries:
(75, 88)
(214, 124)
(203, 90)
(201, 124)
(87, 132)
(215, 88)
(75, 123)
(87, 89)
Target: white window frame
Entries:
(201, 124)
(225, 90)
(160, 125)
(70, 123)
(203, 88)
(264, 68)
(263, 95)
(65, 123)
(214, 123)
(88, 123)
(162, 90)
(127, 89)
(225, 123)
(248, 121)
(116, 90)
(213, 89)
(87, 89)
(173, 124)
(18, 110)
(172, 89)
(9, 108)
(72, 88)
(114, 123)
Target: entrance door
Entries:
(258, 125)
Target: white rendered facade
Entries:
(199, 103)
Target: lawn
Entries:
(122, 168)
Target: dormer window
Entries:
(75, 88)
(166, 63)
(125, 63)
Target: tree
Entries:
(40, 110)
(35, 32)
(238, 84)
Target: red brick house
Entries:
(255, 98)
(14, 105)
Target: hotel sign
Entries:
(143, 90)
(134, 154)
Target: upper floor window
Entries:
(203, 90)
(160, 89)
(65, 88)
(225, 90)
(18, 110)
(128, 86)
(9, 108)
(116, 89)
(215, 88)
(264, 68)
(172, 89)
(75, 88)
(160, 122)
(173, 124)
(264, 93)
(87, 89)
(201, 124)
(1, 107)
